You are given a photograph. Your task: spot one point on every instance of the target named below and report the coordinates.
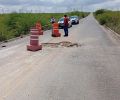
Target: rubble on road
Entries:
(61, 44)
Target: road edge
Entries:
(112, 31)
(115, 37)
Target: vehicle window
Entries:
(73, 17)
(61, 19)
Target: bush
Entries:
(14, 25)
(110, 19)
(101, 11)
(79, 14)
(2, 37)
(102, 21)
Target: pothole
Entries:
(61, 44)
(3, 46)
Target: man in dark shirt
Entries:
(66, 19)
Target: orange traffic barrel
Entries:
(34, 41)
(55, 30)
(39, 27)
(34, 30)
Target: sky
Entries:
(57, 5)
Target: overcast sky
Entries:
(57, 5)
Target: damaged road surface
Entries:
(61, 44)
(83, 66)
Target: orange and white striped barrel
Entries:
(55, 31)
(39, 27)
(34, 31)
(34, 41)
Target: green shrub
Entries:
(101, 11)
(110, 19)
(2, 37)
(102, 21)
(80, 14)
(14, 25)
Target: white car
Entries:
(74, 19)
(61, 23)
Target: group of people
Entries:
(66, 20)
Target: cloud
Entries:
(59, 5)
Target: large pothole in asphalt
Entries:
(61, 44)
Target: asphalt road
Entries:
(88, 72)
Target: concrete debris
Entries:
(61, 44)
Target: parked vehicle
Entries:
(61, 23)
(74, 19)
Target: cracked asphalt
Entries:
(88, 72)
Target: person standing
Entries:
(66, 19)
(52, 20)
